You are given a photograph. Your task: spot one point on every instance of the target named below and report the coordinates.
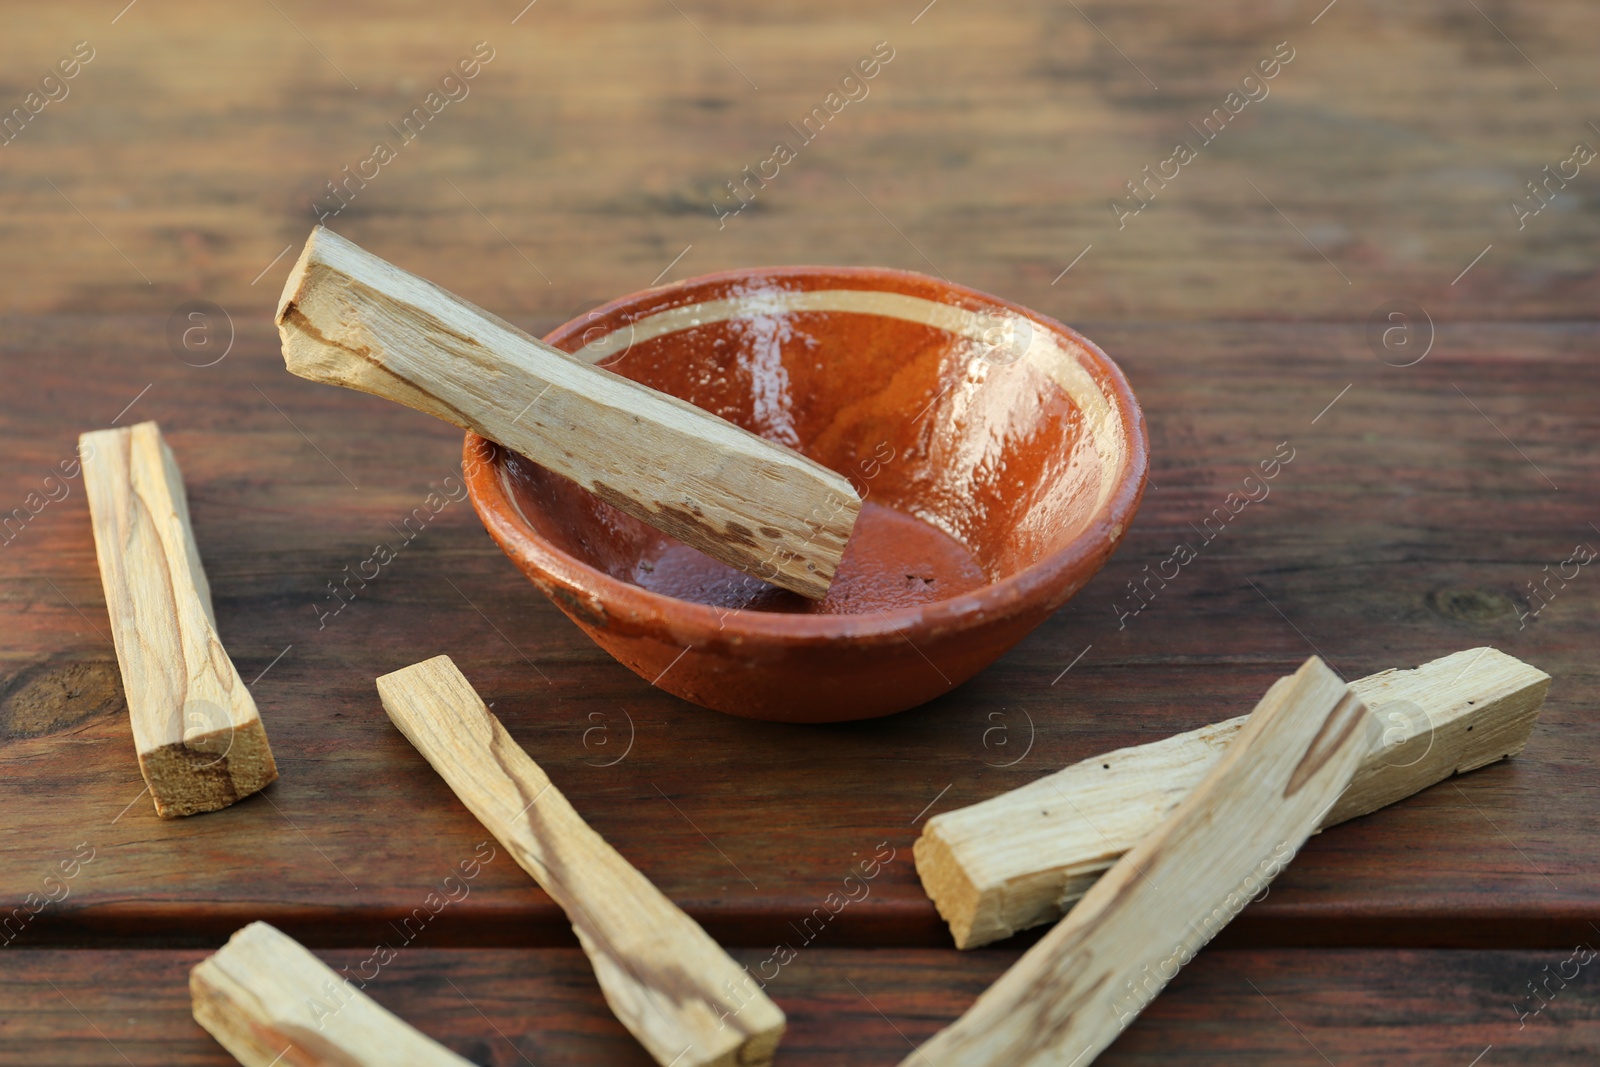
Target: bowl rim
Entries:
(1046, 582)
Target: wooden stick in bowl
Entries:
(349, 318)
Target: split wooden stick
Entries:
(1071, 994)
(672, 986)
(271, 1003)
(350, 318)
(200, 742)
(1022, 858)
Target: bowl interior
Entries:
(982, 438)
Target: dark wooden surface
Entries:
(1416, 510)
(849, 1007)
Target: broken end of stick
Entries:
(310, 352)
(210, 772)
(427, 675)
(295, 283)
(339, 352)
(848, 501)
(807, 567)
(216, 997)
(951, 888)
(414, 696)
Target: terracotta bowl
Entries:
(1000, 455)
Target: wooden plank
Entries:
(673, 987)
(349, 318)
(1022, 858)
(495, 1006)
(267, 1000)
(1376, 543)
(1072, 993)
(196, 731)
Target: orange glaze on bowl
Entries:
(1000, 455)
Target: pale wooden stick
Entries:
(1070, 995)
(199, 739)
(1022, 858)
(271, 1003)
(350, 318)
(672, 986)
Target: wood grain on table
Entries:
(855, 1007)
(588, 159)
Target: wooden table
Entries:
(1246, 302)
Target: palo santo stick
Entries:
(350, 318)
(1022, 858)
(199, 738)
(270, 1002)
(1071, 994)
(672, 986)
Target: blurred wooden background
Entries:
(597, 138)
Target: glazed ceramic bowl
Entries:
(1000, 455)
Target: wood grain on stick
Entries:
(349, 318)
(199, 739)
(668, 982)
(1070, 995)
(1021, 858)
(269, 1002)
